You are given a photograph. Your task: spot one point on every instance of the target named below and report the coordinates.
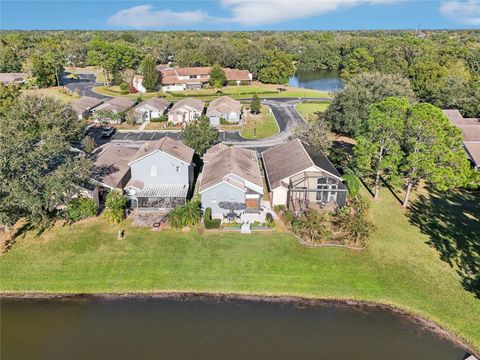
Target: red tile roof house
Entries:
(189, 78)
(112, 111)
(471, 134)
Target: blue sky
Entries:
(240, 14)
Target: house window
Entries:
(153, 170)
(177, 168)
(325, 184)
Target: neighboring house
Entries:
(186, 110)
(301, 177)
(224, 107)
(188, 78)
(161, 175)
(231, 181)
(13, 78)
(110, 168)
(112, 111)
(137, 83)
(151, 108)
(471, 134)
(84, 105)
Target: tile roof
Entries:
(191, 102)
(8, 78)
(470, 128)
(157, 103)
(237, 75)
(171, 75)
(222, 161)
(224, 105)
(85, 103)
(117, 104)
(290, 158)
(168, 145)
(110, 164)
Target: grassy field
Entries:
(55, 92)
(238, 92)
(307, 109)
(259, 126)
(398, 267)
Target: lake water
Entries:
(326, 80)
(207, 329)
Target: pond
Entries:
(153, 328)
(325, 80)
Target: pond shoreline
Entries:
(292, 300)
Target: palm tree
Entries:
(114, 207)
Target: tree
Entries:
(378, 151)
(8, 96)
(114, 206)
(38, 172)
(150, 73)
(80, 208)
(434, 151)
(187, 215)
(255, 105)
(353, 220)
(316, 132)
(349, 109)
(276, 67)
(358, 61)
(199, 135)
(89, 144)
(217, 76)
(312, 226)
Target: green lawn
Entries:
(259, 126)
(55, 92)
(238, 92)
(398, 267)
(307, 109)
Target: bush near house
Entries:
(81, 208)
(186, 215)
(114, 206)
(162, 118)
(210, 223)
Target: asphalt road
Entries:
(83, 86)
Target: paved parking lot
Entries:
(143, 136)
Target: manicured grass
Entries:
(55, 92)
(238, 92)
(307, 109)
(398, 267)
(259, 126)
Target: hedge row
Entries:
(210, 223)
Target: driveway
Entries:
(83, 86)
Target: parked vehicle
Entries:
(108, 131)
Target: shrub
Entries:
(123, 92)
(312, 226)
(186, 215)
(210, 223)
(244, 82)
(232, 83)
(132, 90)
(270, 221)
(114, 206)
(224, 121)
(81, 208)
(162, 118)
(124, 86)
(354, 220)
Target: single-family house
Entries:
(161, 175)
(137, 83)
(470, 128)
(151, 108)
(224, 108)
(191, 78)
(186, 110)
(112, 111)
(301, 177)
(13, 78)
(110, 168)
(84, 105)
(231, 182)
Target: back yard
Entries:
(402, 265)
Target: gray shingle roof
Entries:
(168, 145)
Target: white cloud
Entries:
(144, 16)
(264, 12)
(243, 12)
(462, 12)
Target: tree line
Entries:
(443, 67)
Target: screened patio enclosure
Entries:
(315, 190)
(159, 196)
